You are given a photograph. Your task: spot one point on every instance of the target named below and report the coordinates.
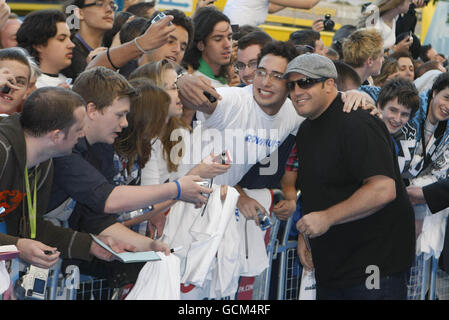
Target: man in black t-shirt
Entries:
(356, 210)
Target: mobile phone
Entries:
(223, 158)
(211, 98)
(6, 89)
(160, 16)
(410, 36)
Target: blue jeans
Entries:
(392, 287)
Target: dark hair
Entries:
(37, 28)
(204, 21)
(244, 30)
(146, 121)
(16, 54)
(423, 52)
(132, 29)
(260, 38)
(345, 72)
(304, 37)
(402, 89)
(426, 66)
(389, 67)
(48, 109)
(280, 49)
(120, 19)
(101, 86)
(339, 37)
(140, 9)
(440, 83)
(416, 44)
(401, 54)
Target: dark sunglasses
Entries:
(304, 83)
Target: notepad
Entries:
(129, 257)
(8, 252)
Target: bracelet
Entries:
(139, 47)
(110, 61)
(179, 189)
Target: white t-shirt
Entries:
(252, 12)
(49, 81)
(388, 34)
(214, 83)
(239, 125)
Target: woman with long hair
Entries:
(165, 162)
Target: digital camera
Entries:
(328, 23)
(207, 183)
(264, 221)
(33, 284)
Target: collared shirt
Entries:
(205, 69)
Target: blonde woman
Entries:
(164, 163)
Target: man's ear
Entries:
(369, 62)
(91, 110)
(56, 135)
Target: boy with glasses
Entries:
(356, 210)
(249, 47)
(95, 18)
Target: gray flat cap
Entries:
(312, 65)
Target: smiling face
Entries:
(395, 115)
(270, 91)
(169, 78)
(10, 102)
(309, 103)
(439, 106)
(57, 53)
(217, 48)
(105, 124)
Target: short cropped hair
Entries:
(260, 38)
(17, 54)
(361, 45)
(140, 9)
(305, 37)
(101, 86)
(37, 28)
(427, 66)
(132, 29)
(48, 109)
(402, 89)
(280, 49)
(346, 72)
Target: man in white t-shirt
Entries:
(46, 36)
(250, 122)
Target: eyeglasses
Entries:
(274, 76)
(241, 66)
(304, 83)
(102, 3)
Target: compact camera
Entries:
(328, 23)
(264, 221)
(160, 16)
(33, 284)
(207, 183)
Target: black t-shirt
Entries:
(336, 152)
(86, 175)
